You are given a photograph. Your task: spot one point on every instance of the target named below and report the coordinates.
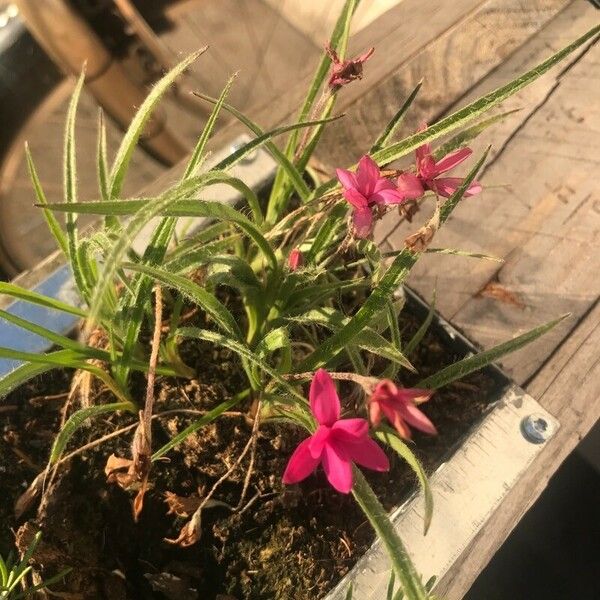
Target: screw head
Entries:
(536, 428)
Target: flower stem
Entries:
(401, 563)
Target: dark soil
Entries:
(290, 542)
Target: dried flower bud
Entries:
(345, 71)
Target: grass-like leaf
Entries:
(395, 122)
(19, 293)
(466, 135)
(52, 336)
(241, 350)
(368, 339)
(468, 365)
(252, 145)
(198, 153)
(197, 294)
(170, 206)
(376, 302)
(210, 416)
(70, 187)
(284, 162)
(389, 437)
(420, 333)
(138, 123)
(66, 359)
(469, 112)
(22, 374)
(77, 419)
(404, 569)
(51, 220)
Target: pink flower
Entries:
(365, 189)
(429, 171)
(343, 72)
(337, 443)
(295, 259)
(399, 406)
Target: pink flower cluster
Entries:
(338, 443)
(367, 190)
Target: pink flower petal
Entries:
(324, 401)
(384, 184)
(355, 198)
(452, 160)
(410, 186)
(367, 175)
(350, 429)
(446, 186)
(363, 222)
(361, 58)
(414, 394)
(388, 197)
(346, 178)
(338, 468)
(301, 464)
(413, 416)
(394, 417)
(368, 454)
(374, 413)
(318, 440)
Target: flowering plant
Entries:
(287, 264)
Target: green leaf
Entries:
(478, 107)
(201, 422)
(67, 359)
(198, 153)
(51, 220)
(393, 277)
(420, 334)
(469, 112)
(251, 146)
(19, 293)
(171, 206)
(138, 123)
(463, 367)
(389, 437)
(70, 187)
(52, 336)
(294, 175)
(76, 420)
(243, 351)
(403, 567)
(465, 253)
(465, 136)
(21, 375)
(368, 339)
(396, 121)
(195, 293)
(101, 158)
(276, 339)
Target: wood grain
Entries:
(452, 45)
(567, 386)
(545, 224)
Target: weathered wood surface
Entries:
(542, 217)
(546, 226)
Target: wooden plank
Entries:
(452, 45)
(249, 37)
(407, 50)
(316, 18)
(567, 386)
(545, 224)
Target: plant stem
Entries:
(378, 517)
